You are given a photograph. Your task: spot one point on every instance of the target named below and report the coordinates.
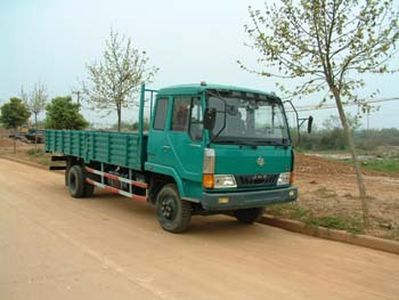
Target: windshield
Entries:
(249, 120)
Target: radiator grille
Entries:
(266, 180)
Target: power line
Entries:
(331, 106)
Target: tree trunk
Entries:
(15, 140)
(119, 112)
(36, 132)
(356, 163)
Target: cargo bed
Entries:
(125, 149)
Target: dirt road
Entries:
(108, 247)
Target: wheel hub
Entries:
(168, 209)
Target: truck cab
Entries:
(228, 149)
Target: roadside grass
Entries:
(38, 156)
(35, 152)
(394, 235)
(295, 212)
(388, 165)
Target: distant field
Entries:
(390, 165)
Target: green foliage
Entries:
(38, 156)
(146, 125)
(126, 126)
(334, 139)
(62, 113)
(338, 222)
(14, 113)
(35, 152)
(372, 138)
(291, 211)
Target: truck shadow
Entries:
(215, 225)
(222, 224)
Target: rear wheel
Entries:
(89, 190)
(77, 186)
(249, 215)
(67, 174)
(173, 213)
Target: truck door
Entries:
(158, 149)
(185, 137)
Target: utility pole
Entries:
(77, 93)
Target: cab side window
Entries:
(160, 114)
(196, 124)
(181, 112)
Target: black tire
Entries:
(173, 214)
(89, 190)
(68, 167)
(66, 175)
(76, 181)
(249, 215)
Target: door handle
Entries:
(195, 145)
(165, 148)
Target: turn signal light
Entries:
(208, 181)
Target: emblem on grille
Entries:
(260, 161)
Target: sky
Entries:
(190, 41)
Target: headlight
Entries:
(225, 181)
(284, 178)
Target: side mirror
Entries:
(310, 123)
(210, 118)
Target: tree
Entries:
(146, 125)
(123, 126)
(14, 114)
(62, 113)
(128, 126)
(24, 96)
(334, 122)
(37, 103)
(327, 45)
(115, 80)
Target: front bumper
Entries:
(239, 200)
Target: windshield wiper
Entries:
(284, 142)
(237, 142)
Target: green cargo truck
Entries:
(209, 149)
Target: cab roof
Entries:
(184, 89)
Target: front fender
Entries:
(168, 171)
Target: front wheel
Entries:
(173, 214)
(249, 215)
